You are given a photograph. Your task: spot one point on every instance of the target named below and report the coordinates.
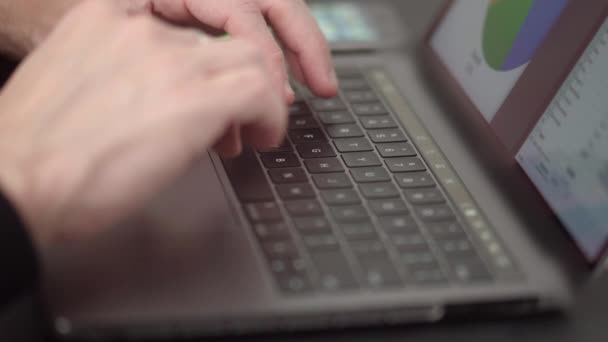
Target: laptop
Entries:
(465, 178)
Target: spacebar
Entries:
(248, 178)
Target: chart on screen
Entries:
(490, 49)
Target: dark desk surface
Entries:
(586, 322)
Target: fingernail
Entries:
(289, 91)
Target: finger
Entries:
(205, 119)
(243, 19)
(299, 33)
(231, 144)
(294, 64)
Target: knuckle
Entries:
(247, 6)
(256, 82)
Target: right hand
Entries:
(111, 108)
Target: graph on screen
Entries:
(566, 154)
(514, 29)
(488, 44)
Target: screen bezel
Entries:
(474, 117)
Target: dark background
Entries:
(586, 322)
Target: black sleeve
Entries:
(18, 261)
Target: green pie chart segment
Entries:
(504, 21)
(515, 29)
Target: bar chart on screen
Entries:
(566, 154)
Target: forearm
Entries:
(25, 23)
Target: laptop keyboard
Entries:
(347, 202)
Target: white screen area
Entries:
(566, 155)
(487, 44)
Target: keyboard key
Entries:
(284, 248)
(293, 175)
(248, 179)
(304, 208)
(361, 159)
(324, 165)
(263, 212)
(358, 231)
(271, 231)
(299, 108)
(300, 122)
(336, 118)
(294, 284)
(375, 108)
(340, 197)
(392, 150)
(287, 266)
(344, 131)
(367, 248)
(387, 135)
(361, 96)
(306, 136)
(415, 180)
(295, 191)
(328, 105)
(379, 190)
(370, 175)
(284, 147)
(321, 242)
(407, 164)
(388, 207)
(346, 72)
(312, 225)
(422, 259)
(347, 145)
(379, 272)
(470, 271)
(332, 181)
(432, 213)
(397, 224)
(354, 213)
(378, 122)
(446, 230)
(409, 242)
(424, 196)
(334, 271)
(280, 160)
(354, 83)
(433, 276)
(457, 249)
(318, 150)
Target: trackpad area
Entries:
(183, 256)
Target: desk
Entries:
(587, 322)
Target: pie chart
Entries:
(514, 29)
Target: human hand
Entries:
(306, 49)
(112, 108)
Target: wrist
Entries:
(15, 176)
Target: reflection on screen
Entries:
(343, 21)
(566, 155)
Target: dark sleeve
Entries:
(18, 261)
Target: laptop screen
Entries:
(537, 71)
